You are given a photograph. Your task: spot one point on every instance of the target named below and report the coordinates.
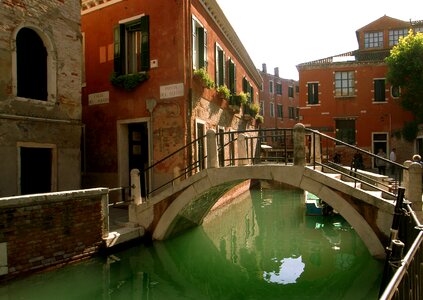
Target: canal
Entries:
(261, 246)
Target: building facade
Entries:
(178, 53)
(278, 100)
(40, 100)
(348, 97)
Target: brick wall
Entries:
(40, 231)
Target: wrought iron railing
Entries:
(403, 276)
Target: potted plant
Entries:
(236, 101)
(251, 110)
(128, 81)
(259, 119)
(223, 91)
(204, 77)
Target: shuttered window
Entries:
(132, 46)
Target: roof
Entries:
(355, 56)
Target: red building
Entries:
(142, 99)
(347, 96)
(278, 100)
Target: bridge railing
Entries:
(352, 162)
(403, 275)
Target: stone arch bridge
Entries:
(187, 202)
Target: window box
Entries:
(128, 81)
(204, 77)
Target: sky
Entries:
(285, 33)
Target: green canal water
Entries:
(261, 246)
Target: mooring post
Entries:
(299, 144)
(136, 187)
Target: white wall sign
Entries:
(98, 98)
(171, 91)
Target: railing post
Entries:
(105, 215)
(242, 150)
(211, 149)
(135, 187)
(299, 146)
(316, 153)
(415, 185)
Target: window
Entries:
(291, 113)
(31, 65)
(395, 91)
(199, 45)
(247, 88)
(373, 39)
(394, 36)
(261, 108)
(271, 87)
(291, 91)
(379, 90)
(219, 66)
(232, 76)
(313, 92)
(344, 84)
(132, 46)
(272, 110)
(279, 88)
(345, 130)
(280, 111)
(297, 113)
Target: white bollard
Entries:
(135, 187)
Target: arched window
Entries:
(31, 65)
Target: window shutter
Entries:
(119, 49)
(145, 43)
(231, 76)
(244, 85)
(223, 82)
(221, 70)
(200, 46)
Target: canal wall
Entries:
(43, 230)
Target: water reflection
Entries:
(261, 246)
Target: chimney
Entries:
(277, 72)
(264, 68)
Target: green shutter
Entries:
(221, 63)
(200, 45)
(119, 49)
(232, 76)
(244, 85)
(145, 43)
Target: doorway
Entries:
(380, 141)
(201, 151)
(35, 170)
(138, 157)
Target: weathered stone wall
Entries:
(57, 121)
(48, 229)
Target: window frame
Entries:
(279, 109)
(139, 23)
(313, 93)
(272, 109)
(379, 90)
(345, 84)
(220, 65)
(346, 134)
(373, 39)
(199, 45)
(278, 88)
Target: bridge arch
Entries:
(210, 184)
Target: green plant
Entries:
(128, 81)
(204, 76)
(254, 108)
(244, 97)
(260, 119)
(410, 130)
(224, 91)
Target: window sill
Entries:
(36, 101)
(317, 104)
(379, 102)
